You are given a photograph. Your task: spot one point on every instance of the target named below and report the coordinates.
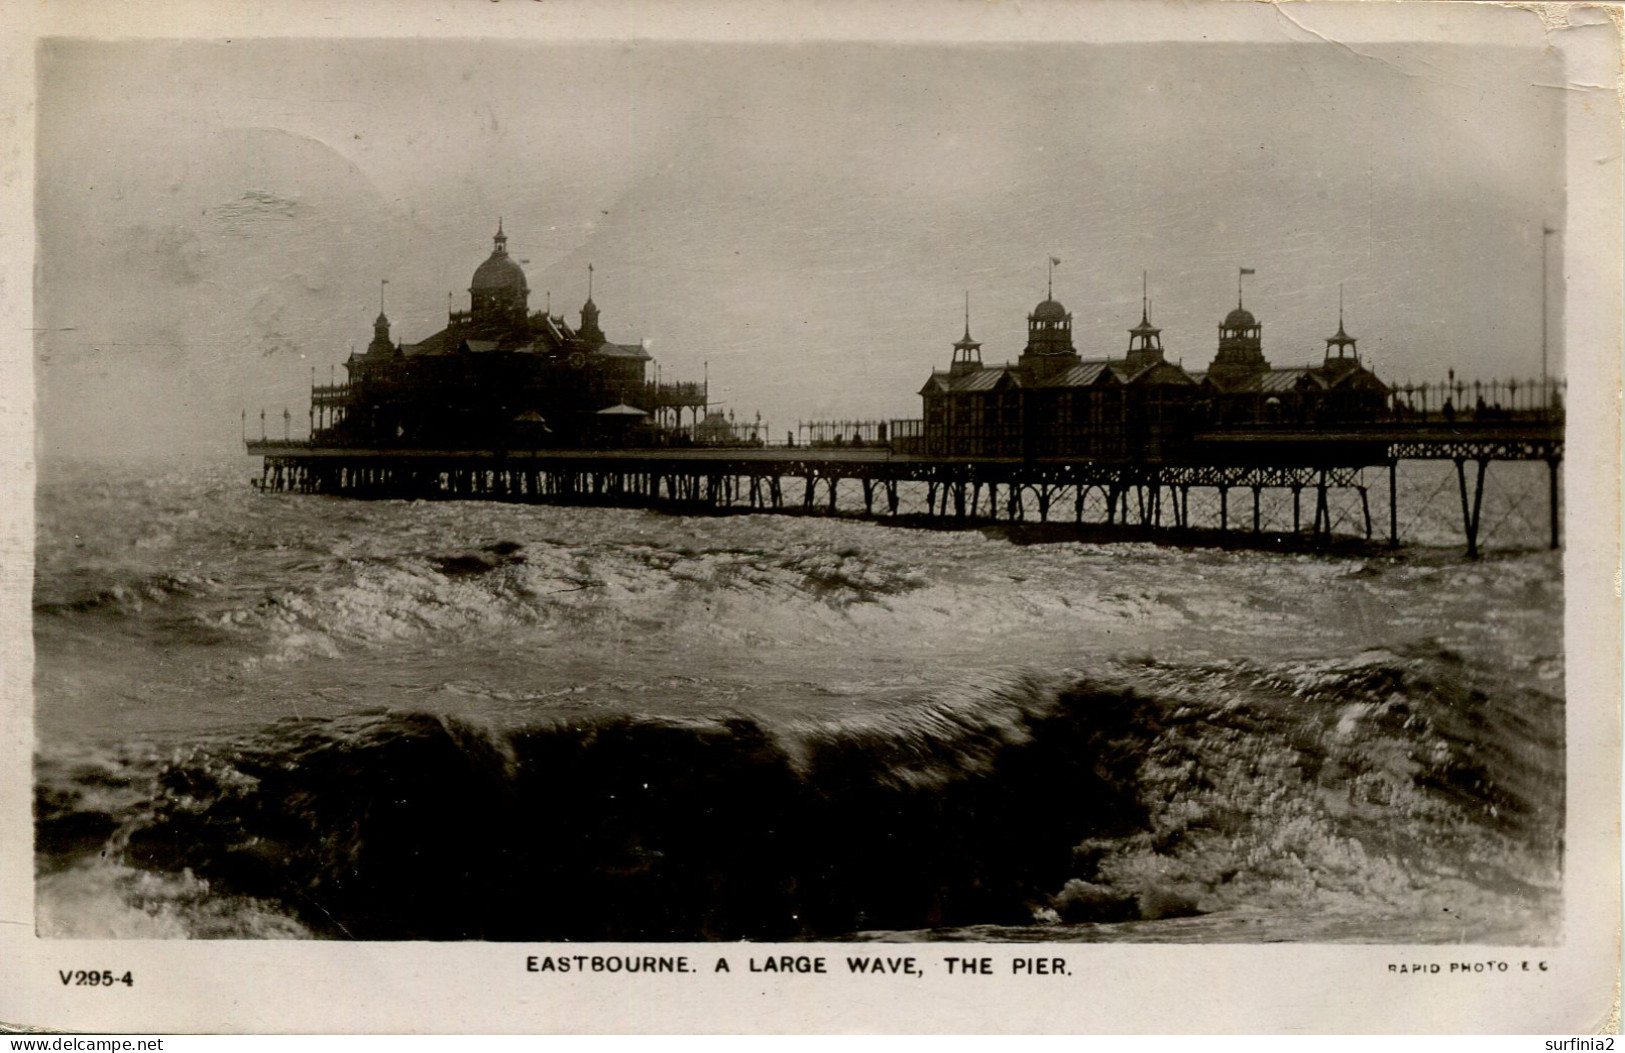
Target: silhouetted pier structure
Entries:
(509, 403)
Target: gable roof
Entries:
(1085, 374)
(429, 345)
(631, 351)
(1357, 378)
(1163, 373)
(985, 379)
(1277, 381)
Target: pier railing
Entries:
(1479, 400)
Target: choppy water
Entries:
(275, 715)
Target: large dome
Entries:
(499, 273)
(1240, 318)
(1049, 311)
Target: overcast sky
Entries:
(215, 218)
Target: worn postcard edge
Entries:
(245, 986)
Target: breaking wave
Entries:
(1269, 801)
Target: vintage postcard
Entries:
(760, 517)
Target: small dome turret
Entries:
(380, 336)
(1049, 334)
(590, 330)
(1049, 311)
(1241, 345)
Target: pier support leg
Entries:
(1257, 520)
(1323, 511)
(1224, 509)
(1365, 510)
(1551, 500)
(1297, 508)
(1077, 506)
(891, 497)
(833, 482)
(868, 497)
(1470, 513)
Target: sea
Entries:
(265, 715)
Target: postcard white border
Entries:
(243, 986)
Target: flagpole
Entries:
(1545, 379)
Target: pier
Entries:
(508, 403)
(1238, 466)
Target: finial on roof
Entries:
(967, 314)
(500, 242)
(589, 283)
(1145, 301)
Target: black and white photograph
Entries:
(783, 497)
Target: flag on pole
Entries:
(1248, 270)
(1055, 261)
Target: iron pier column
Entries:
(1551, 499)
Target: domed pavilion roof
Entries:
(499, 273)
(1049, 311)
